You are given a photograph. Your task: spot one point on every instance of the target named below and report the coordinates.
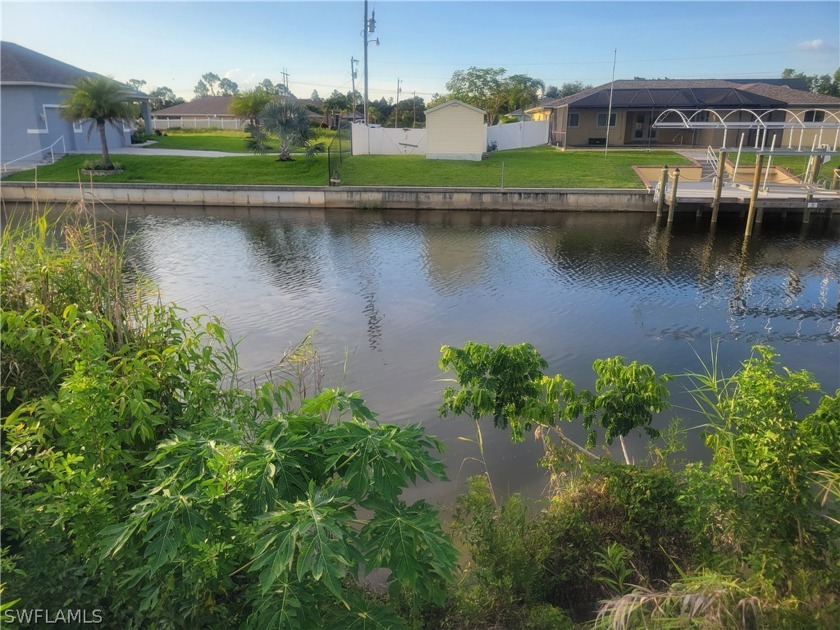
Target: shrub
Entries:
(95, 165)
(141, 479)
(642, 509)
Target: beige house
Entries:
(455, 131)
(580, 120)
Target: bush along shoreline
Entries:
(143, 481)
(146, 485)
(751, 540)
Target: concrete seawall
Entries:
(337, 197)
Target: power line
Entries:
(582, 62)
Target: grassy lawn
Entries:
(156, 169)
(539, 167)
(796, 164)
(215, 140)
(201, 140)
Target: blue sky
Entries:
(423, 43)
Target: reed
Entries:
(52, 259)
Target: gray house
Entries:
(32, 89)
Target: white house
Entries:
(455, 131)
(32, 88)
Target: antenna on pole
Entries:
(609, 109)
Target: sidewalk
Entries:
(141, 149)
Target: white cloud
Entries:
(244, 79)
(811, 44)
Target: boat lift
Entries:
(824, 134)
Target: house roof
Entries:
(795, 83)
(22, 66)
(454, 101)
(210, 106)
(693, 94)
(797, 98)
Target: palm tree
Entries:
(522, 91)
(288, 121)
(100, 100)
(250, 103)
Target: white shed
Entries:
(455, 131)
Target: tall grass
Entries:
(52, 261)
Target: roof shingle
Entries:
(22, 66)
(693, 93)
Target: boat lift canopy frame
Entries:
(830, 122)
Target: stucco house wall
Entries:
(32, 89)
(455, 131)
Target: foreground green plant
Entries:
(141, 479)
(748, 541)
(507, 382)
(766, 458)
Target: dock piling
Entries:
(663, 181)
(718, 185)
(672, 206)
(759, 160)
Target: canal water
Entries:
(381, 291)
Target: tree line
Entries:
(490, 89)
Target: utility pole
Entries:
(285, 75)
(397, 105)
(353, 63)
(414, 108)
(369, 27)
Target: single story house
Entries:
(33, 87)
(455, 131)
(580, 120)
(212, 112)
(199, 113)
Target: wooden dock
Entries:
(773, 197)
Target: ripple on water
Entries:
(384, 291)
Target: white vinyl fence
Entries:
(518, 135)
(389, 141)
(198, 122)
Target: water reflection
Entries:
(387, 288)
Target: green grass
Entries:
(540, 167)
(201, 140)
(155, 169)
(215, 140)
(796, 164)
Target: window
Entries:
(574, 120)
(814, 116)
(602, 120)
